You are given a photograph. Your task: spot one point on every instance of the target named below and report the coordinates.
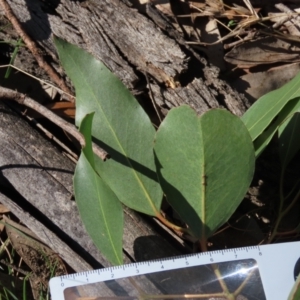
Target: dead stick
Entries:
(33, 48)
(2, 261)
(71, 129)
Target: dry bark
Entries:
(130, 43)
(36, 185)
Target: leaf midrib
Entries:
(202, 183)
(117, 140)
(105, 219)
(278, 102)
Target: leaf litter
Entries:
(255, 37)
(43, 262)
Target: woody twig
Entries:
(33, 48)
(71, 129)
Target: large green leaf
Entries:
(100, 210)
(289, 139)
(259, 116)
(205, 165)
(264, 139)
(120, 126)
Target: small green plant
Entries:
(9, 285)
(277, 114)
(13, 56)
(204, 165)
(199, 163)
(15, 281)
(232, 23)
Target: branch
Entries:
(33, 48)
(71, 129)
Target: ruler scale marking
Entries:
(275, 265)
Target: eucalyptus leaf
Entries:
(264, 139)
(100, 210)
(259, 116)
(289, 139)
(205, 165)
(120, 126)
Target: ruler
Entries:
(256, 272)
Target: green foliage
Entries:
(265, 109)
(264, 139)
(215, 148)
(100, 209)
(120, 126)
(205, 165)
(278, 112)
(268, 113)
(289, 139)
(13, 57)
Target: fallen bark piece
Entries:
(128, 42)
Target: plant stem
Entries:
(33, 48)
(281, 200)
(203, 245)
(291, 204)
(240, 288)
(169, 224)
(222, 282)
(13, 57)
(36, 78)
(281, 212)
(70, 128)
(185, 296)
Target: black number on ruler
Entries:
(62, 284)
(112, 275)
(186, 262)
(137, 271)
(211, 259)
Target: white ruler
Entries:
(258, 272)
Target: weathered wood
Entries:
(36, 183)
(129, 43)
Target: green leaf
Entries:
(86, 130)
(264, 139)
(205, 165)
(120, 126)
(289, 139)
(295, 292)
(259, 116)
(100, 210)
